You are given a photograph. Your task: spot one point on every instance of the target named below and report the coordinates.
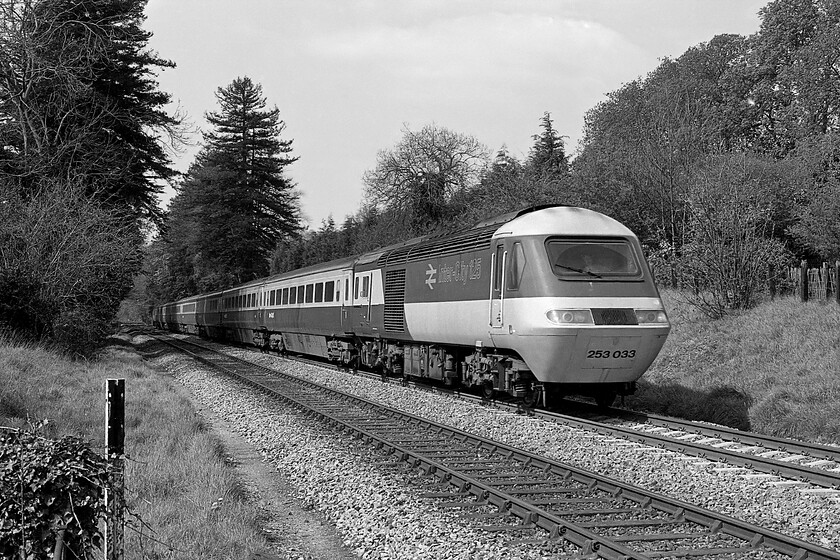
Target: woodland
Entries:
(725, 161)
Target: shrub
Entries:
(51, 489)
(67, 262)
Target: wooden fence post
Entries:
(114, 492)
(837, 281)
(826, 277)
(803, 280)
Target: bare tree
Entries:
(732, 202)
(66, 262)
(419, 176)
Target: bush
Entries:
(67, 262)
(50, 488)
(735, 205)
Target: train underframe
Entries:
(488, 370)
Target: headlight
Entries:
(651, 316)
(570, 316)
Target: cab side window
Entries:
(515, 267)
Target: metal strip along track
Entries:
(447, 453)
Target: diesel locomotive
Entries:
(540, 302)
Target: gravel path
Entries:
(373, 501)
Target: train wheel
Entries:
(605, 399)
(487, 390)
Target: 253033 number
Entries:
(611, 354)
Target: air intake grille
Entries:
(614, 316)
(395, 301)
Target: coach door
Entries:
(497, 287)
(346, 301)
(362, 289)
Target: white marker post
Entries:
(114, 492)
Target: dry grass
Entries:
(176, 478)
(774, 369)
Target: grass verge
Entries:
(774, 369)
(189, 501)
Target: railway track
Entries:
(797, 461)
(508, 489)
(792, 460)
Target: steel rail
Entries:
(776, 443)
(530, 513)
(825, 478)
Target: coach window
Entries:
(346, 288)
(285, 299)
(293, 295)
(329, 289)
(515, 267)
(365, 286)
(319, 292)
(356, 288)
(272, 298)
(309, 292)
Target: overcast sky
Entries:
(346, 75)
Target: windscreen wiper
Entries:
(581, 271)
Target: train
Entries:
(536, 304)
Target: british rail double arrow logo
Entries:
(430, 277)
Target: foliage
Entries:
(642, 144)
(418, 177)
(731, 245)
(796, 56)
(816, 227)
(51, 489)
(78, 98)
(235, 203)
(67, 261)
(548, 154)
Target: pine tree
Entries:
(236, 203)
(548, 155)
